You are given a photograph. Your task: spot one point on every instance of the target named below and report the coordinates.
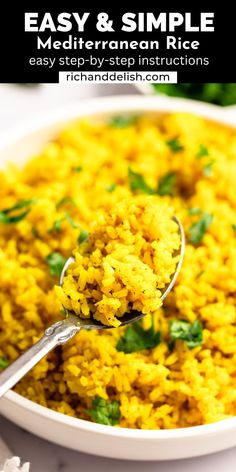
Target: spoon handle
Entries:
(58, 333)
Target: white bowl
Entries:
(19, 144)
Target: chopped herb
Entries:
(71, 221)
(56, 263)
(136, 338)
(202, 151)
(105, 412)
(166, 184)
(57, 225)
(137, 182)
(35, 232)
(220, 94)
(77, 168)
(207, 169)
(200, 274)
(198, 229)
(194, 211)
(234, 227)
(123, 121)
(84, 234)
(65, 201)
(111, 188)
(6, 216)
(5, 219)
(175, 145)
(192, 334)
(3, 362)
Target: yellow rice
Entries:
(130, 256)
(157, 388)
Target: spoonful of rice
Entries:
(123, 272)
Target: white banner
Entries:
(118, 77)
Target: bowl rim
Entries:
(118, 104)
(205, 430)
(115, 105)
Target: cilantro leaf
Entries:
(35, 232)
(207, 169)
(111, 188)
(166, 184)
(8, 216)
(197, 230)
(192, 334)
(57, 225)
(136, 338)
(194, 211)
(84, 234)
(5, 219)
(56, 263)
(175, 145)
(221, 94)
(71, 221)
(123, 121)
(137, 182)
(105, 412)
(202, 151)
(3, 362)
(65, 201)
(200, 274)
(77, 169)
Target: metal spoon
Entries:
(59, 333)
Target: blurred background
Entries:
(21, 101)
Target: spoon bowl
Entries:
(133, 315)
(62, 331)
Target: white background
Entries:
(16, 105)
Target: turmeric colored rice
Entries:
(129, 259)
(177, 368)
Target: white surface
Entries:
(13, 108)
(46, 457)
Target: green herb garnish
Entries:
(137, 182)
(123, 121)
(3, 362)
(175, 145)
(35, 232)
(105, 412)
(8, 216)
(200, 274)
(192, 334)
(71, 221)
(84, 234)
(57, 225)
(136, 338)
(166, 184)
(194, 211)
(234, 227)
(65, 201)
(220, 94)
(207, 169)
(111, 188)
(77, 169)
(202, 151)
(197, 230)
(56, 263)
